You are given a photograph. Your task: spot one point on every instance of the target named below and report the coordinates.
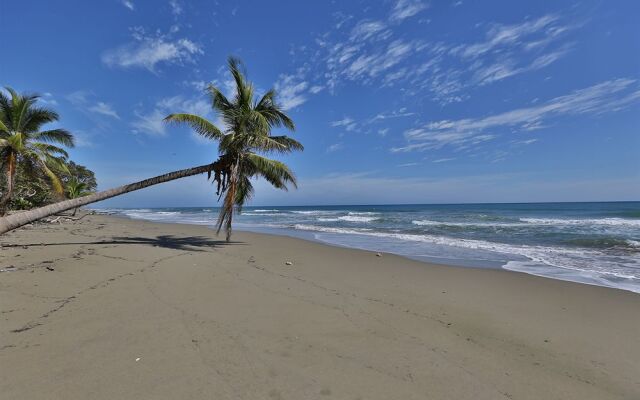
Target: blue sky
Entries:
(398, 101)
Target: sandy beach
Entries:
(111, 308)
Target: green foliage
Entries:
(75, 188)
(246, 132)
(26, 147)
(31, 189)
(35, 171)
(82, 175)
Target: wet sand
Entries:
(110, 308)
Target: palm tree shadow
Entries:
(189, 243)
(192, 243)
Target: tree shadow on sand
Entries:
(190, 243)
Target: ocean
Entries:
(591, 243)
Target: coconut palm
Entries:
(75, 188)
(22, 142)
(246, 132)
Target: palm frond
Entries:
(275, 172)
(35, 117)
(199, 124)
(244, 192)
(272, 112)
(61, 136)
(47, 149)
(56, 184)
(277, 144)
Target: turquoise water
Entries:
(594, 243)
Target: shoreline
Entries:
(552, 272)
(112, 307)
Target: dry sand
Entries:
(109, 308)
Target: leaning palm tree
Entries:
(246, 132)
(23, 142)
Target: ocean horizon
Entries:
(594, 243)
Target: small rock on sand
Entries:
(288, 263)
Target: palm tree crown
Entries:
(22, 141)
(248, 122)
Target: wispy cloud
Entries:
(499, 36)
(367, 29)
(176, 7)
(372, 52)
(335, 147)
(47, 98)
(149, 51)
(291, 91)
(401, 113)
(407, 8)
(525, 142)
(83, 138)
(506, 51)
(104, 109)
(152, 123)
(349, 124)
(86, 102)
(129, 4)
(605, 97)
(441, 160)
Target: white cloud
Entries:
(369, 65)
(349, 124)
(147, 52)
(406, 8)
(441, 160)
(129, 4)
(83, 138)
(401, 113)
(152, 123)
(47, 98)
(367, 29)
(608, 96)
(104, 109)
(526, 142)
(335, 147)
(501, 35)
(85, 101)
(290, 91)
(316, 89)
(176, 7)
(371, 52)
(507, 50)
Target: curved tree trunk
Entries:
(11, 180)
(17, 220)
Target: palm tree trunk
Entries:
(17, 220)
(11, 179)
(226, 212)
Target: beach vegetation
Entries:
(25, 147)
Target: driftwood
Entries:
(61, 218)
